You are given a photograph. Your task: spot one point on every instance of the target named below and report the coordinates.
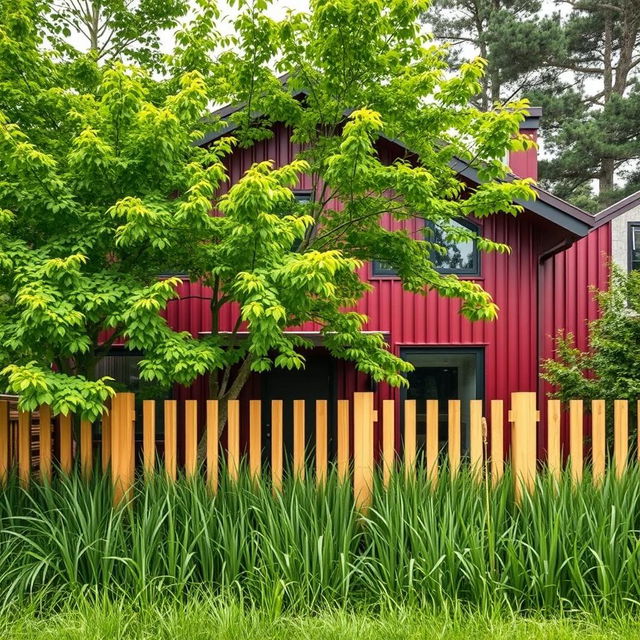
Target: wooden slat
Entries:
(298, 439)
(343, 440)
(190, 438)
(497, 441)
(554, 461)
(46, 442)
(255, 439)
(148, 435)
(322, 442)
(277, 461)
(212, 445)
(171, 438)
(475, 438)
(621, 435)
(433, 439)
(363, 418)
(454, 436)
(4, 441)
(86, 448)
(388, 446)
(524, 417)
(409, 437)
(24, 447)
(66, 443)
(576, 438)
(233, 439)
(598, 440)
(106, 438)
(122, 446)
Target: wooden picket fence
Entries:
(355, 422)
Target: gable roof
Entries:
(549, 207)
(617, 209)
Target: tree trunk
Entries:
(216, 392)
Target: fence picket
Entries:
(149, 435)
(524, 417)
(322, 454)
(190, 438)
(497, 441)
(433, 439)
(298, 439)
(475, 439)
(66, 443)
(24, 447)
(343, 439)
(171, 439)
(233, 438)
(212, 445)
(4, 441)
(598, 440)
(363, 418)
(45, 442)
(86, 448)
(409, 437)
(277, 453)
(122, 446)
(255, 438)
(576, 439)
(621, 435)
(454, 437)
(554, 461)
(388, 432)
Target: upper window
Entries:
(634, 246)
(461, 257)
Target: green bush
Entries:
(565, 548)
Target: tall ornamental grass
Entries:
(565, 548)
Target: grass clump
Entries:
(566, 549)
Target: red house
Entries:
(542, 286)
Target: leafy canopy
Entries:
(610, 368)
(103, 186)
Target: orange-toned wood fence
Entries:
(478, 443)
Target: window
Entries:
(462, 257)
(634, 246)
(443, 374)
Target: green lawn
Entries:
(193, 621)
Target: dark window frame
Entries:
(630, 228)
(379, 271)
(478, 351)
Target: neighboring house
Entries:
(558, 251)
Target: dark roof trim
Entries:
(617, 209)
(546, 205)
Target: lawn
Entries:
(200, 619)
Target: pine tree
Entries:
(592, 111)
(515, 38)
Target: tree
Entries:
(515, 38)
(592, 111)
(104, 188)
(114, 29)
(610, 368)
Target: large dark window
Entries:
(634, 246)
(461, 257)
(443, 374)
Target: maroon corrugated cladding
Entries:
(568, 282)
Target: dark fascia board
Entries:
(617, 209)
(546, 205)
